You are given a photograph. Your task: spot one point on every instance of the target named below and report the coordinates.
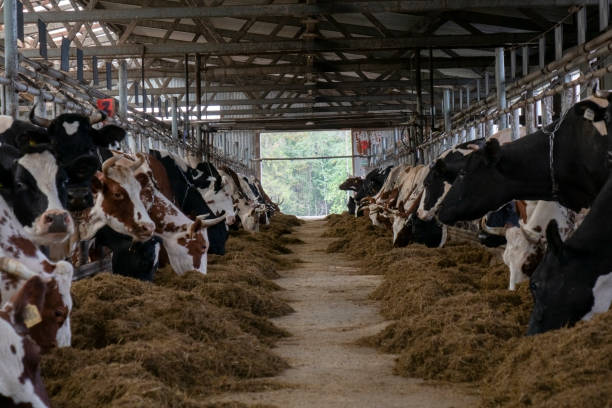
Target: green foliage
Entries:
(306, 187)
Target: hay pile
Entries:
(176, 341)
(455, 321)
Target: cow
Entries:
(493, 226)
(247, 211)
(215, 190)
(408, 198)
(117, 203)
(351, 184)
(574, 280)
(526, 170)
(74, 142)
(185, 240)
(525, 244)
(372, 183)
(20, 260)
(189, 200)
(20, 380)
(386, 197)
(33, 177)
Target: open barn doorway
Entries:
(306, 187)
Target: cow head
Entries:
(36, 179)
(216, 190)
(74, 140)
(471, 193)
(351, 183)
(441, 176)
(20, 381)
(185, 241)
(53, 329)
(247, 211)
(117, 202)
(562, 292)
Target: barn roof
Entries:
(285, 63)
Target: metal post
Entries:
(11, 60)
(581, 17)
(446, 110)
(542, 51)
(419, 98)
(123, 80)
(187, 112)
(525, 60)
(500, 84)
(432, 99)
(478, 90)
(604, 14)
(174, 118)
(486, 93)
(513, 64)
(198, 79)
(467, 96)
(460, 99)
(546, 102)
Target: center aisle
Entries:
(332, 311)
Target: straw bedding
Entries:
(175, 342)
(454, 320)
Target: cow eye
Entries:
(118, 196)
(20, 186)
(533, 286)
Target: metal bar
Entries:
(432, 98)
(310, 158)
(290, 10)
(174, 118)
(198, 79)
(11, 61)
(582, 25)
(542, 51)
(419, 96)
(123, 101)
(446, 110)
(525, 60)
(294, 46)
(513, 64)
(604, 14)
(500, 85)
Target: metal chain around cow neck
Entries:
(551, 156)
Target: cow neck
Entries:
(523, 160)
(594, 234)
(550, 131)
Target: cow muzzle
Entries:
(144, 231)
(53, 226)
(79, 198)
(230, 220)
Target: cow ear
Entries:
(492, 151)
(28, 304)
(589, 110)
(108, 135)
(553, 238)
(97, 182)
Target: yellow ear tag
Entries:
(31, 316)
(32, 143)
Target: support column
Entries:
(123, 80)
(11, 59)
(446, 110)
(546, 102)
(500, 84)
(174, 118)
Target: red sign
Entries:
(107, 106)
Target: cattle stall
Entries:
(143, 264)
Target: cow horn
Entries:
(16, 268)
(139, 162)
(109, 163)
(210, 223)
(42, 122)
(96, 117)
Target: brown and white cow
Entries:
(20, 260)
(386, 198)
(526, 244)
(185, 240)
(20, 381)
(117, 203)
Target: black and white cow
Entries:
(574, 280)
(495, 175)
(74, 142)
(34, 186)
(372, 183)
(189, 200)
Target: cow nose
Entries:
(79, 199)
(56, 221)
(147, 229)
(230, 220)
